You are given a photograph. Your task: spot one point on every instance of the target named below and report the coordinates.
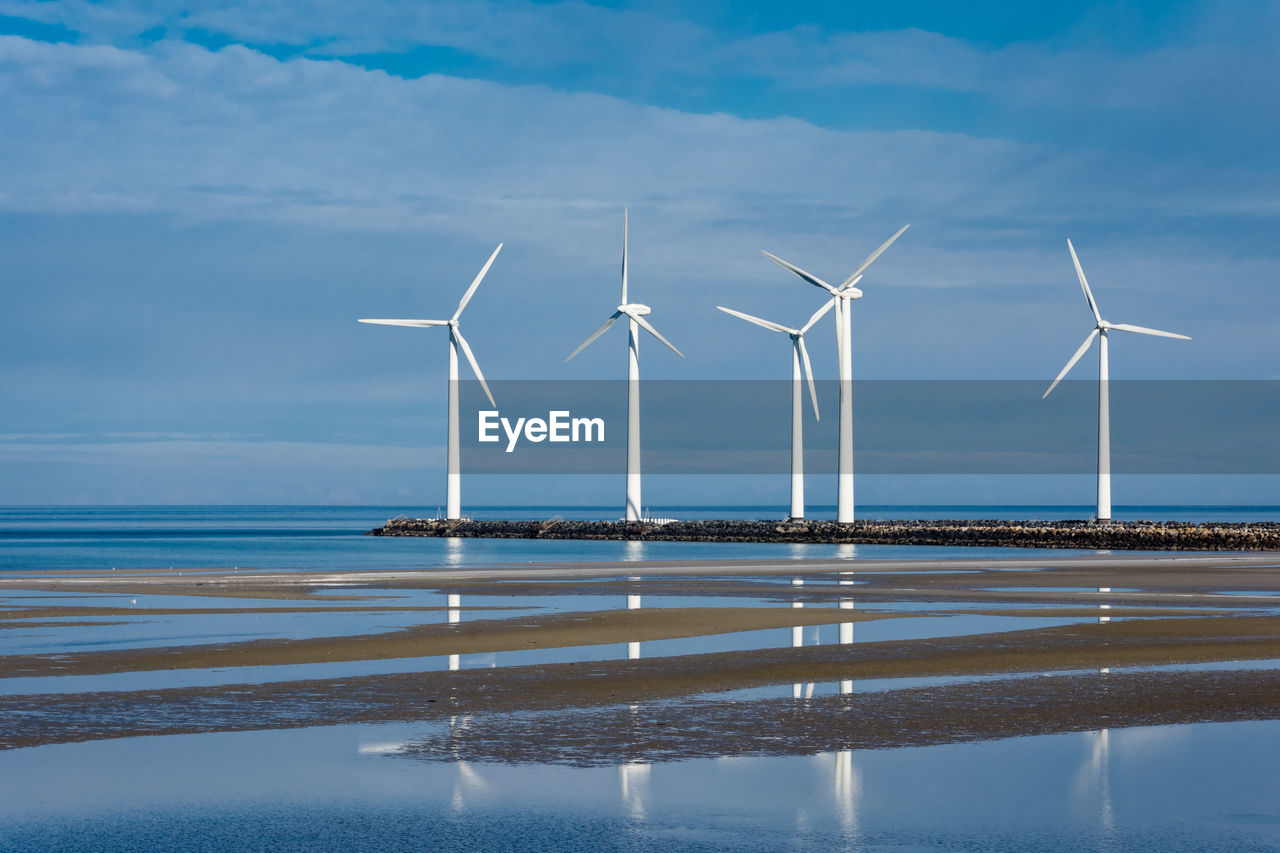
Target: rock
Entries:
(1117, 535)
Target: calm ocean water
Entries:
(331, 537)
(1144, 790)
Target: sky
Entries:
(197, 202)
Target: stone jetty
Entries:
(1117, 535)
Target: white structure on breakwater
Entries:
(635, 314)
(1104, 400)
(799, 355)
(453, 472)
(842, 298)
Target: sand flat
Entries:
(1163, 609)
(561, 630)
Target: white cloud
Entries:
(414, 181)
(1212, 60)
(180, 129)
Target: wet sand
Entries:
(486, 695)
(668, 731)
(606, 711)
(544, 632)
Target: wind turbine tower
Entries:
(453, 473)
(635, 313)
(799, 355)
(842, 297)
(1100, 331)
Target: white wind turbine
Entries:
(453, 510)
(841, 297)
(1104, 399)
(798, 355)
(635, 313)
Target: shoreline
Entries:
(1113, 535)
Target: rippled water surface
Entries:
(1204, 787)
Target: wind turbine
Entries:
(798, 355)
(1104, 399)
(841, 297)
(453, 510)
(635, 313)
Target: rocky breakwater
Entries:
(1120, 535)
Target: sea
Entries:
(334, 537)
(352, 787)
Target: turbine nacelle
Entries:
(635, 310)
(850, 289)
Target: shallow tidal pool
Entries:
(1197, 787)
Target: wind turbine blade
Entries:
(471, 359)
(414, 323)
(768, 324)
(597, 333)
(1072, 363)
(812, 279)
(648, 327)
(1088, 294)
(886, 244)
(1143, 330)
(624, 257)
(817, 315)
(808, 372)
(466, 297)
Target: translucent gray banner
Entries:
(900, 427)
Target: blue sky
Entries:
(197, 202)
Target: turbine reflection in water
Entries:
(454, 616)
(468, 780)
(847, 791)
(633, 649)
(846, 638)
(633, 778)
(1093, 781)
(797, 640)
